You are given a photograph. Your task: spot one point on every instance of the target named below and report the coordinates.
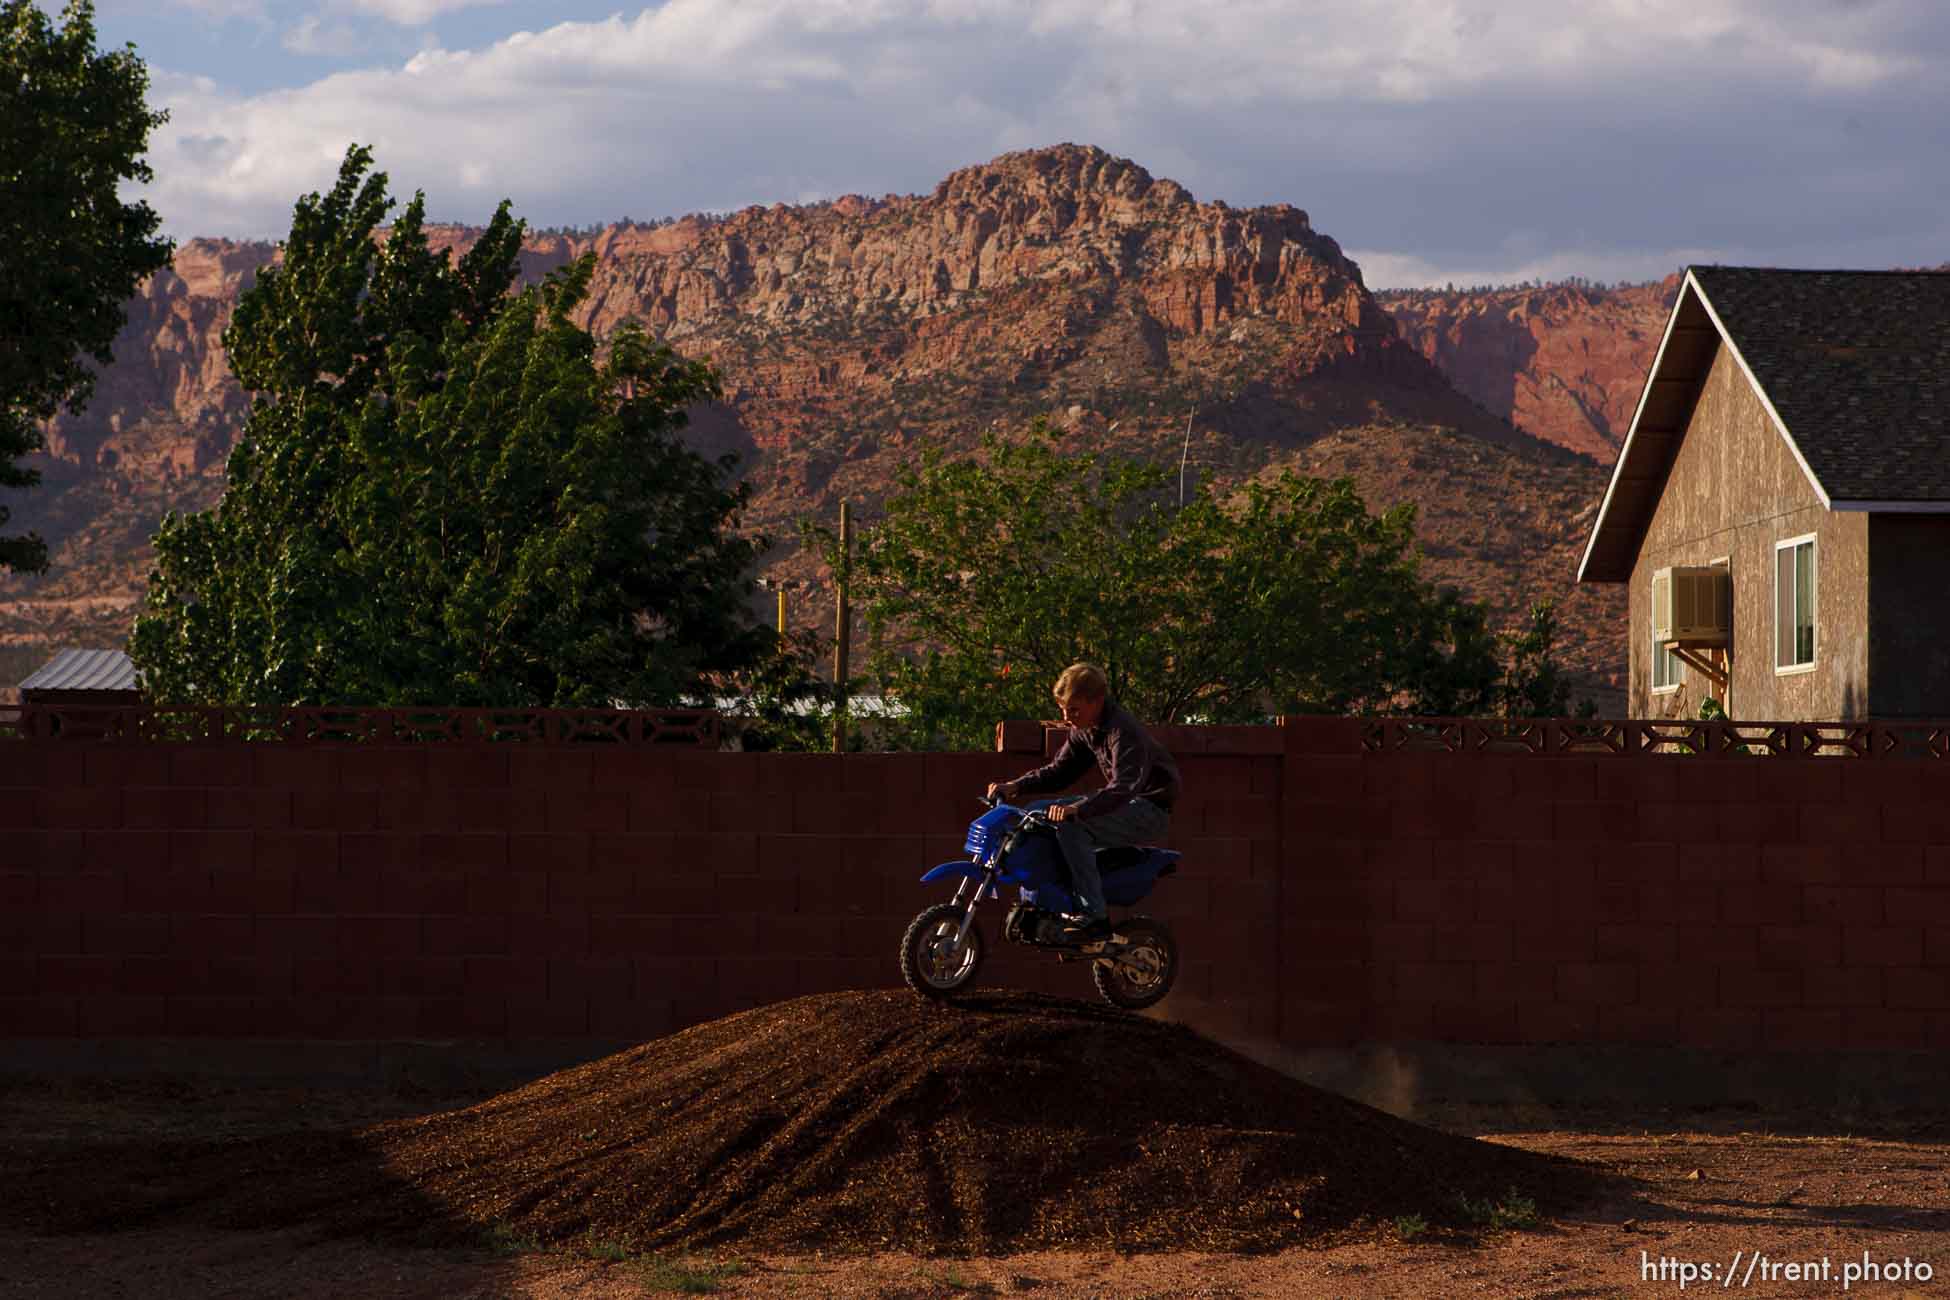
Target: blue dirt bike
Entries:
(942, 951)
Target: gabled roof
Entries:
(84, 670)
(1853, 366)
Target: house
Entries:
(90, 678)
(1794, 438)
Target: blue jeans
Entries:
(1137, 822)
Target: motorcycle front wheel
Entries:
(931, 962)
(1139, 972)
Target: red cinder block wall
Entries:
(1330, 894)
(531, 891)
(1735, 902)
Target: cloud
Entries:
(414, 13)
(1521, 134)
(310, 36)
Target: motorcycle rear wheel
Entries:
(930, 962)
(1142, 970)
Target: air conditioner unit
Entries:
(1692, 606)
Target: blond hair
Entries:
(1086, 680)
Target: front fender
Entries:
(949, 870)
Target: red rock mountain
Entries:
(1563, 362)
(1062, 282)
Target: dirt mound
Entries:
(854, 1120)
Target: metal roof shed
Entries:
(99, 677)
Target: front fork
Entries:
(986, 887)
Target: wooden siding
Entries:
(1734, 490)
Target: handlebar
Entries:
(1031, 816)
(1038, 815)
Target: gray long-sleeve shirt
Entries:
(1134, 765)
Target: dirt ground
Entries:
(1770, 1196)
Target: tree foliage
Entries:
(779, 704)
(443, 496)
(989, 574)
(74, 125)
(1534, 686)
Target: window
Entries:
(1665, 668)
(1794, 604)
(1665, 664)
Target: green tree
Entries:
(778, 704)
(1534, 686)
(989, 574)
(443, 496)
(74, 125)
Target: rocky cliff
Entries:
(1062, 283)
(1563, 362)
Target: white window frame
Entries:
(1725, 692)
(1812, 542)
(1652, 667)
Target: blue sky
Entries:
(253, 47)
(1435, 139)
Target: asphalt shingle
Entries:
(1857, 363)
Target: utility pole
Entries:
(1184, 456)
(842, 630)
(778, 587)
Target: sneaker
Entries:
(1090, 929)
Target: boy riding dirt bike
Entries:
(1067, 860)
(1141, 783)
